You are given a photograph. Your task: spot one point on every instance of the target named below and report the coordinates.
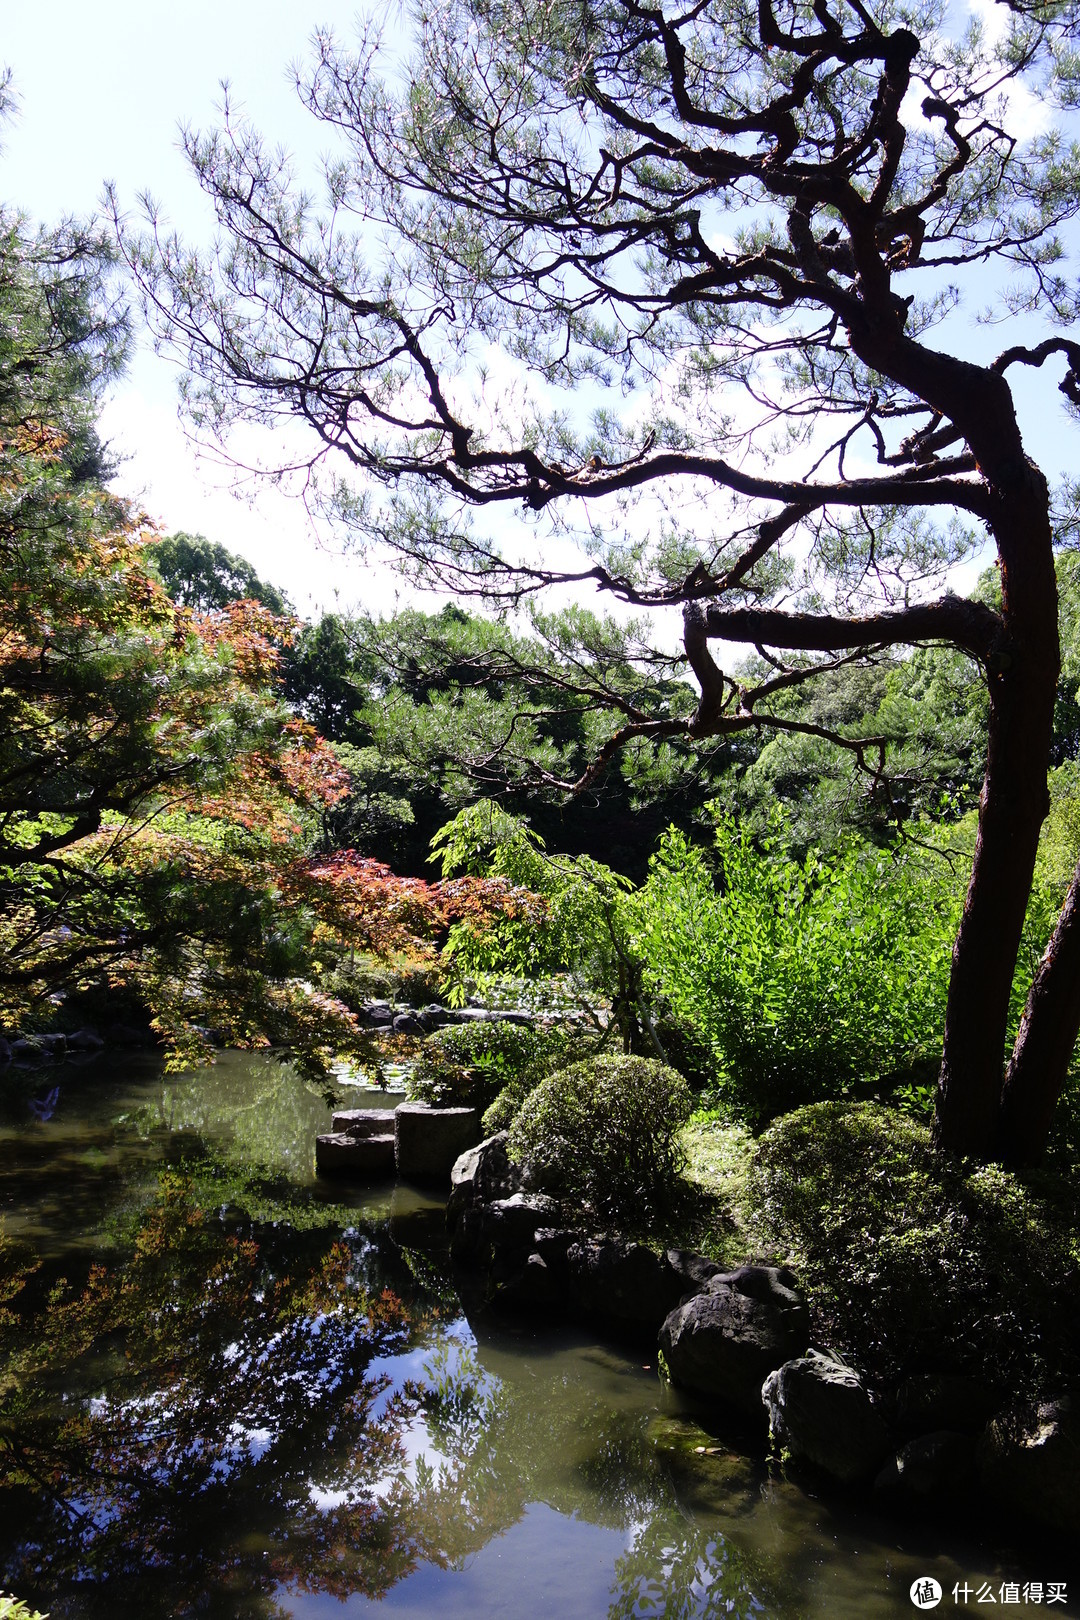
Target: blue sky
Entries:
(102, 90)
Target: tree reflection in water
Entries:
(237, 1413)
(221, 1415)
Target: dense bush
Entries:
(802, 978)
(917, 1262)
(604, 1132)
(468, 1065)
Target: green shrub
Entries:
(500, 1115)
(915, 1261)
(604, 1132)
(468, 1065)
(806, 979)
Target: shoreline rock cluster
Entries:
(395, 1018)
(739, 1342)
(34, 1050)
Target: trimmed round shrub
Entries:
(468, 1065)
(915, 1261)
(605, 1133)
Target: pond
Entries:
(231, 1390)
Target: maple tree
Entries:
(158, 800)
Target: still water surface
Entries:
(255, 1396)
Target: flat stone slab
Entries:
(363, 1121)
(431, 1140)
(340, 1154)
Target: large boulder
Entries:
(481, 1174)
(85, 1040)
(377, 1014)
(820, 1412)
(502, 1234)
(723, 1341)
(29, 1050)
(431, 1140)
(624, 1283)
(1030, 1464)
(409, 1023)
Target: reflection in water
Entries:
(259, 1397)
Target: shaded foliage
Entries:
(917, 1262)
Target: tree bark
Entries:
(1022, 677)
(1044, 1046)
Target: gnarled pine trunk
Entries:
(1023, 681)
(1044, 1045)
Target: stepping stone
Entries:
(363, 1121)
(340, 1154)
(431, 1140)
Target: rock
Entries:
(514, 1222)
(553, 1245)
(85, 1040)
(363, 1121)
(821, 1413)
(694, 1269)
(339, 1153)
(501, 1234)
(5, 1050)
(28, 1050)
(932, 1468)
(480, 1175)
(723, 1341)
(431, 1140)
(55, 1042)
(944, 1401)
(1030, 1464)
(436, 1015)
(408, 1023)
(623, 1283)
(532, 1286)
(378, 1013)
